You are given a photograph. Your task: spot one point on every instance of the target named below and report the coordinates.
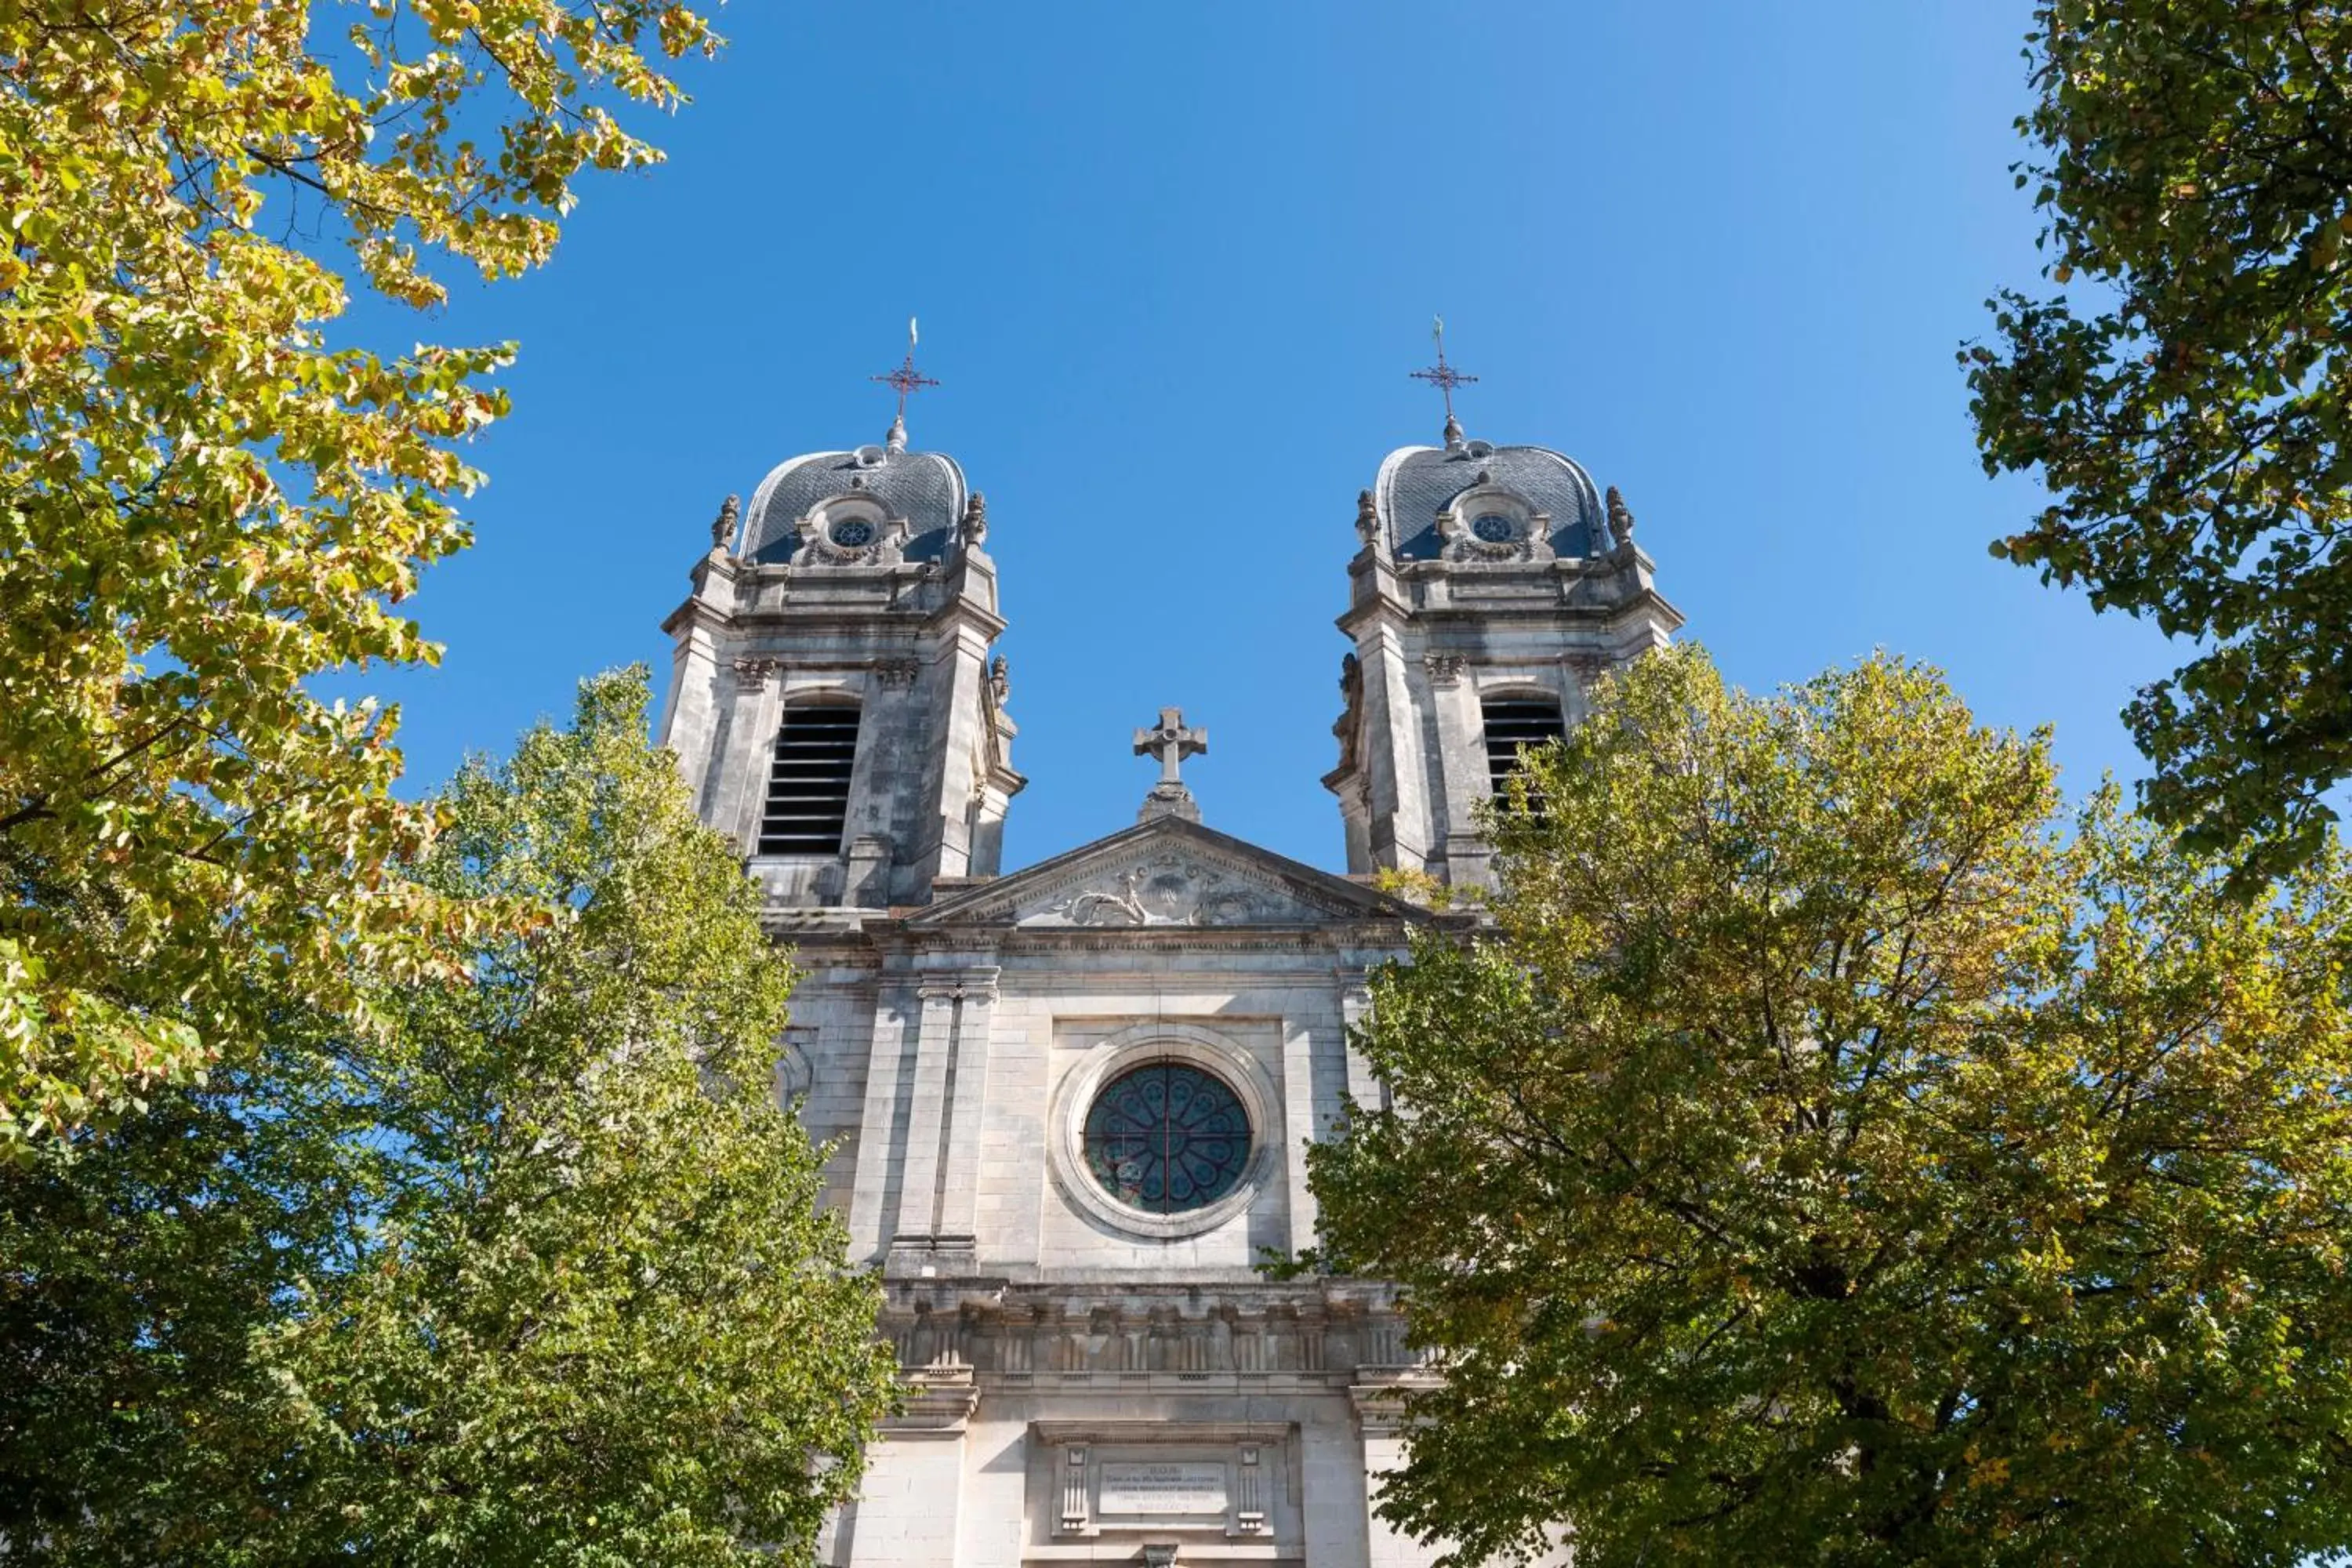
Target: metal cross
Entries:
(1171, 744)
(1441, 375)
(906, 378)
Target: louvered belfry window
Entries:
(808, 781)
(1513, 722)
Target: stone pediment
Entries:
(1167, 872)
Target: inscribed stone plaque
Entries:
(1163, 1489)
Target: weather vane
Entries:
(904, 380)
(1445, 378)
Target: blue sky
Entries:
(1173, 264)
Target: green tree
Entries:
(2188, 408)
(535, 1276)
(1827, 1159)
(203, 504)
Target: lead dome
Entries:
(1417, 484)
(926, 488)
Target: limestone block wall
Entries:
(976, 1137)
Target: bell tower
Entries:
(833, 702)
(1491, 583)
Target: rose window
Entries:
(1166, 1138)
(1496, 529)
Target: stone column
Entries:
(739, 783)
(1299, 1126)
(910, 1509)
(691, 713)
(975, 1023)
(919, 1187)
(871, 1215)
(1391, 756)
(1379, 1416)
(1461, 762)
(1364, 1086)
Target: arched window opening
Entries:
(1513, 722)
(808, 781)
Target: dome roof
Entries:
(926, 488)
(1416, 483)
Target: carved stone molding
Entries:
(857, 540)
(1253, 1335)
(897, 673)
(970, 985)
(1588, 668)
(1444, 668)
(1380, 1399)
(1489, 523)
(753, 674)
(937, 1402)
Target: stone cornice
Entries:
(934, 1401)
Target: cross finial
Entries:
(904, 380)
(1445, 378)
(1171, 743)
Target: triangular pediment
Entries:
(1167, 872)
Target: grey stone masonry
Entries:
(1485, 573)
(837, 609)
(1069, 1108)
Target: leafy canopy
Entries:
(537, 1277)
(203, 504)
(2188, 407)
(1827, 1159)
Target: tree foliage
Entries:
(2188, 406)
(203, 504)
(1828, 1159)
(537, 1277)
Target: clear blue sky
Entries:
(1172, 265)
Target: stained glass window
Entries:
(1166, 1138)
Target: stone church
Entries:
(1070, 1098)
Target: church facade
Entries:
(1070, 1100)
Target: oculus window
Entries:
(808, 781)
(1166, 1138)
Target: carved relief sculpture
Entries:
(755, 673)
(850, 539)
(1351, 692)
(1169, 890)
(1487, 523)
